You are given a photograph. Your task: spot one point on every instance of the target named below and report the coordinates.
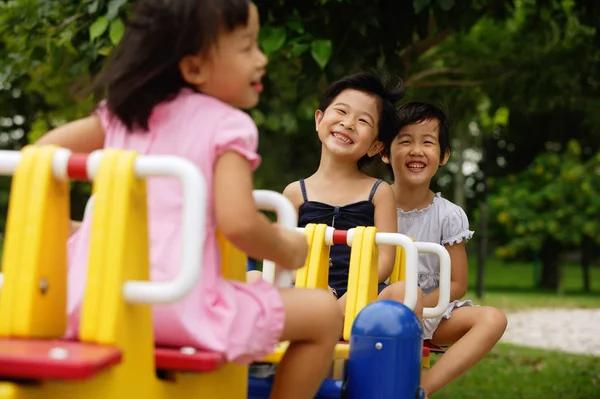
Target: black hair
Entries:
(388, 91)
(416, 112)
(143, 70)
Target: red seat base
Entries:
(54, 359)
(425, 352)
(433, 347)
(187, 359)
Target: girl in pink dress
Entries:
(174, 85)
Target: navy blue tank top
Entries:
(361, 213)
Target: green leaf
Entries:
(258, 117)
(419, 5)
(98, 28)
(113, 8)
(93, 7)
(446, 5)
(65, 36)
(272, 39)
(501, 116)
(321, 52)
(104, 51)
(295, 25)
(299, 48)
(117, 28)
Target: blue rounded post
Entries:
(385, 353)
(260, 388)
(251, 264)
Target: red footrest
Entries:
(433, 347)
(54, 359)
(187, 359)
(425, 351)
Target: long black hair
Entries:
(143, 70)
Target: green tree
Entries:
(52, 48)
(552, 205)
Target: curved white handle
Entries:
(411, 263)
(193, 218)
(193, 221)
(288, 218)
(444, 292)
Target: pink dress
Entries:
(243, 321)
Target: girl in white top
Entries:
(415, 154)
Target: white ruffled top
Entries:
(442, 222)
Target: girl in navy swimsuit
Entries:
(355, 114)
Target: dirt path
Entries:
(568, 330)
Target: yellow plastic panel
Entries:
(118, 253)
(318, 266)
(33, 297)
(233, 261)
(341, 352)
(399, 272)
(353, 276)
(363, 273)
(302, 273)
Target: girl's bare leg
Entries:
(474, 332)
(312, 325)
(395, 292)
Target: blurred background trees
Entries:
(521, 80)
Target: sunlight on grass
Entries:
(515, 372)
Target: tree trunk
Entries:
(549, 255)
(586, 255)
(459, 177)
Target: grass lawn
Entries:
(510, 286)
(515, 372)
(511, 371)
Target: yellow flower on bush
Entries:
(503, 217)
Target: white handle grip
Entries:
(288, 218)
(397, 240)
(444, 289)
(192, 227)
(193, 222)
(411, 263)
(193, 218)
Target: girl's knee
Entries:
(494, 319)
(253, 276)
(327, 311)
(419, 294)
(332, 310)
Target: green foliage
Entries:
(557, 197)
(53, 48)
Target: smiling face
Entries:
(233, 68)
(349, 126)
(415, 153)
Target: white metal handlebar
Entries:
(193, 222)
(288, 218)
(444, 288)
(411, 263)
(193, 218)
(397, 240)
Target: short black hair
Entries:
(143, 70)
(416, 112)
(387, 90)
